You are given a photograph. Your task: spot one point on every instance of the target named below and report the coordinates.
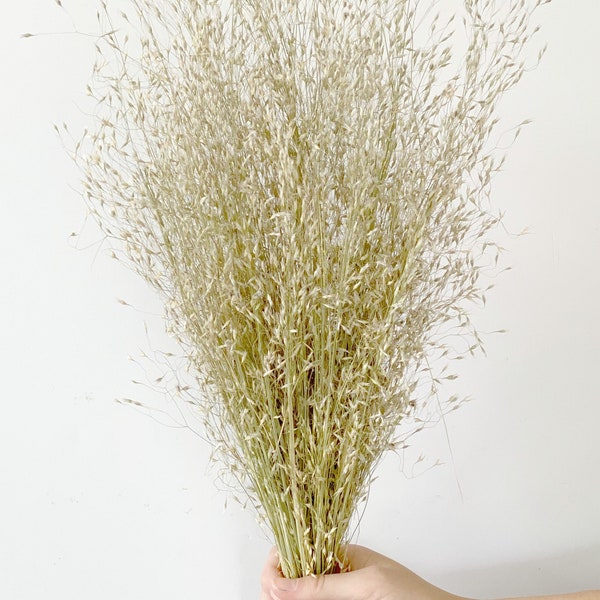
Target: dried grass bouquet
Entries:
(307, 185)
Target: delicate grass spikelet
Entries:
(306, 183)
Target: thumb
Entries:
(338, 586)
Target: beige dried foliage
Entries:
(307, 185)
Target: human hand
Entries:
(372, 576)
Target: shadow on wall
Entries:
(570, 572)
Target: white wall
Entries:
(98, 500)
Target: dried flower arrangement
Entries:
(307, 185)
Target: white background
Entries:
(99, 500)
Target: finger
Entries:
(360, 557)
(270, 571)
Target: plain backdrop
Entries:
(99, 500)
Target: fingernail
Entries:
(286, 585)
